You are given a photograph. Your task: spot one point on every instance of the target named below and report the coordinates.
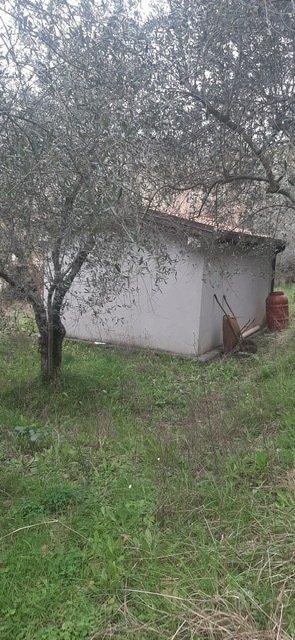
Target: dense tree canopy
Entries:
(223, 104)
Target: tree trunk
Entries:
(43, 350)
(50, 347)
(58, 334)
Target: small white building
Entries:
(182, 316)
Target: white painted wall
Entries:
(244, 277)
(166, 319)
(183, 316)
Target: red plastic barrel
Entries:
(277, 311)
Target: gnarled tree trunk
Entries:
(58, 334)
(48, 315)
(43, 350)
(50, 348)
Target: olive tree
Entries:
(73, 189)
(223, 108)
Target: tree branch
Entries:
(225, 119)
(225, 180)
(68, 277)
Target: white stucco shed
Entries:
(182, 316)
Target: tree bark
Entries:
(58, 334)
(43, 350)
(50, 348)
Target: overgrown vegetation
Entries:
(112, 110)
(147, 496)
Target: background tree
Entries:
(223, 107)
(73, 189)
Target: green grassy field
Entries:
(147, 496)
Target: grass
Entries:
(147, 496)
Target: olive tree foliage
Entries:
(223, 107)
(73, 193)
